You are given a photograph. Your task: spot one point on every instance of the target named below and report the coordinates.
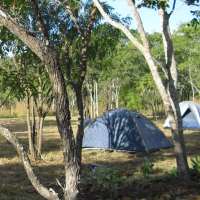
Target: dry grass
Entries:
(14, 184)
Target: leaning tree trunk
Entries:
(168, 95)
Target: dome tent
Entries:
(124, 130)
(190, 113)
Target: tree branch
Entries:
(119, 26)
(36, 45)
(143, 48)
(40, 19)
(49, 194)
(168, 46)
(173, 7)
(5, 100)
(139, 23)
(85, 43)
(73, 18)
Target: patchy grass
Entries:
(105, 175)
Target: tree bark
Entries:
(80, 123)
(63, 118)
(177, 132)
(30, 133)
(33, 124)
(96, 99)
(168, 45)
(40, 136)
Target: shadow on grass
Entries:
(54, 144)
(49, 145)
(15, 185)
(20, 126)
(192, 147)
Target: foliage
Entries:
(196, 163)
(153, 3)
(187, 52)
(105, 178)
(147, 167)
(196, 13)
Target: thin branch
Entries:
(49, 194)
(91, 21)
(143, 48)
(163, 68)
(40, 19)
(139, 23)
(36, 45)
(6, 98)
(173, 7)
(119, 26)
(168, 46)
(85, 43)
(71, 14)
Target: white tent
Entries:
(190, 113)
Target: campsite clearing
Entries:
(112, 175)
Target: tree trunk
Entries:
(40, 136)
(80, 130)
(168, 45)
(91, 94)
(180, 151)
(96, 99)
(30, 134)
(191, 83)
(63, 117)
(177, 132)
(33, 125)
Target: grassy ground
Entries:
(117, 175)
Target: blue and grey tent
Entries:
(124, 130)
(190, 113)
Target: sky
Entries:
(150, 17)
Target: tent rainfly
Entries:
(124, 130)
(190, 113)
